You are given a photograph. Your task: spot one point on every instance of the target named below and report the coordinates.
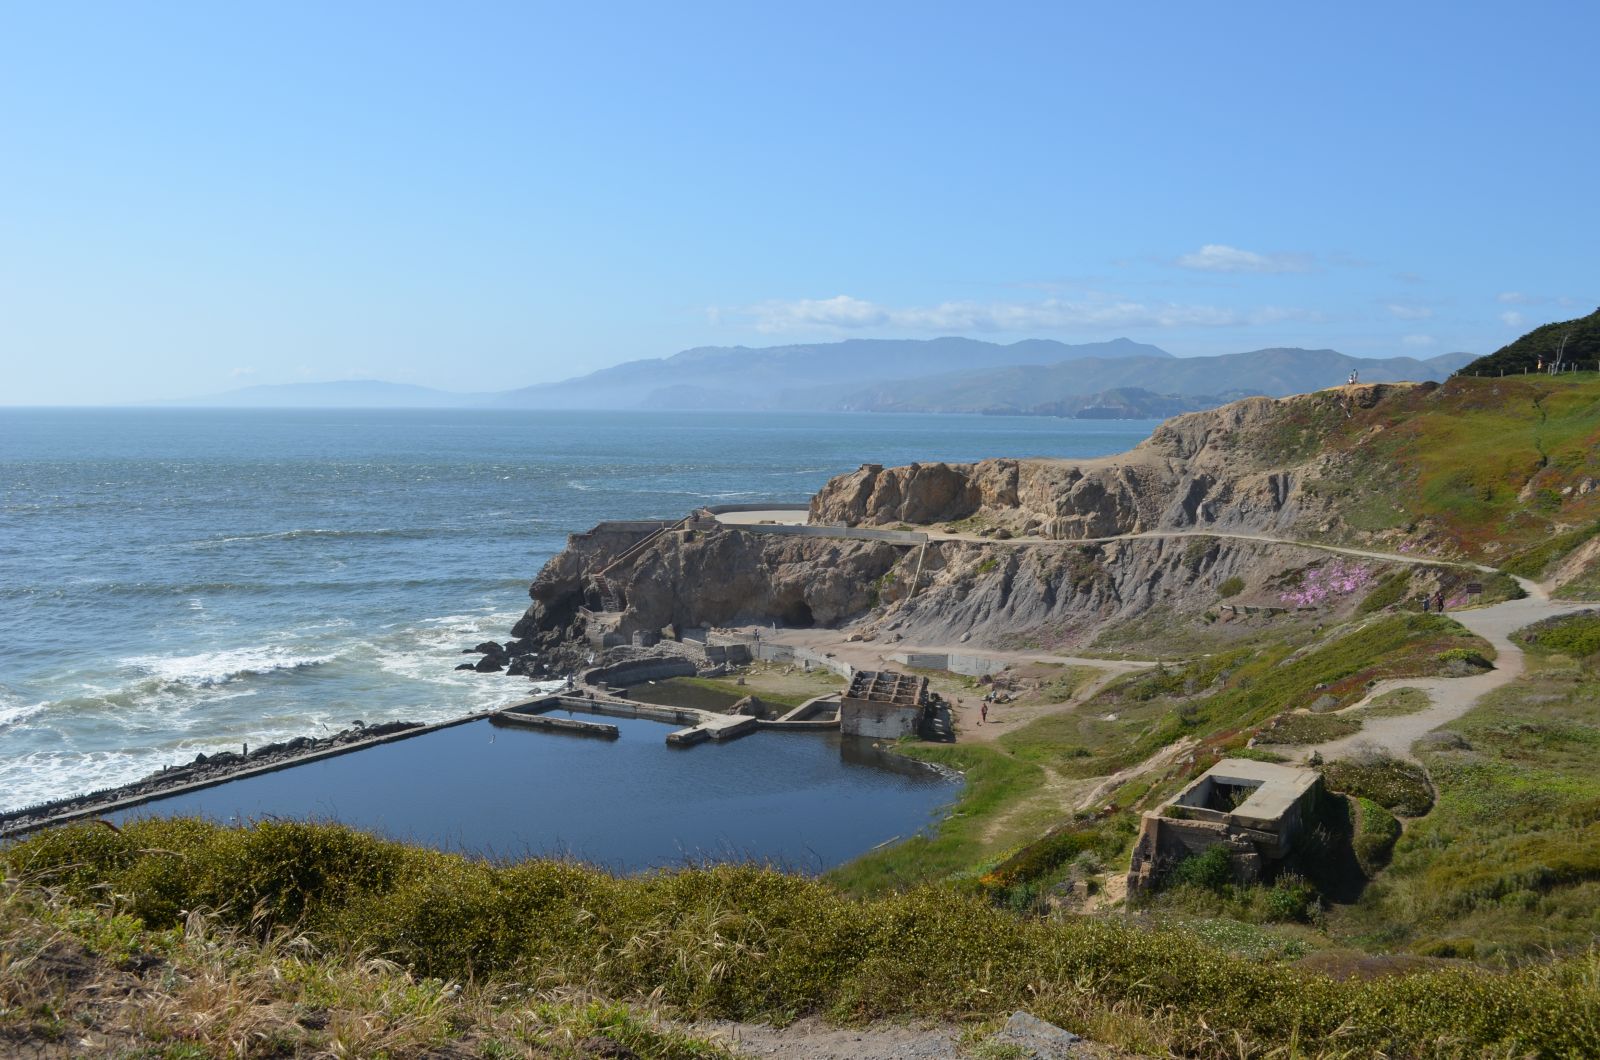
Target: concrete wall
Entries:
(724, 509)
(881, 721)
(731, 654)
(789, 654)
(957, 663)
(636, 670)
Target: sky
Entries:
(477, 196)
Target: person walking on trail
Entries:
(1426, 600)
(1438, 601)
(983, 713)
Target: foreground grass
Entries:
(748, 943)
(81, 979)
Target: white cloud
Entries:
(1512, 318)
(1409, 312)
(846, 313)
(1418, 340)
(239, 373)
(1219, 257)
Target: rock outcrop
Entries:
(1239, 468)
(1242, 469)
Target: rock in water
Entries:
(490, 664)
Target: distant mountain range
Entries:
(1032, 377)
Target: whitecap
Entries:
(208, 669)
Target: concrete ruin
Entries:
(883, 704)
(1255, 809)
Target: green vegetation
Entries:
(1391, 589)
(1298, 728)
(1397, 702)
(1484, 466)
(1231, 587)
(1534, 561)
(1252, 686)
(1575, 636)
(1582, 338)
(1391, 783)
(81, 978)
(995, 783)
(744, 943)
(1507, 865)
(1376, 832)
(1203, 884)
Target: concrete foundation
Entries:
(1255, 809)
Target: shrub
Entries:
(1377, 831)
(1308, 728)
(1231, 587)
(1577, 636)
(1401, 787)
(1470, 656)
(1291, 898)
(1211, 870)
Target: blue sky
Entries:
(477, 195)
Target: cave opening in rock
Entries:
(797, 615)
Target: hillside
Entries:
(1541, 345)
(730, 377)
(1473, 467)
(1120, 378)
(1208, 381)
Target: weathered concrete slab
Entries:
(564, 725)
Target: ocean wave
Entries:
(213, 668)
(415, 533)
(15, 708)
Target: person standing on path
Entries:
(983, 713)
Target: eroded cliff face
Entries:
(1239, 468)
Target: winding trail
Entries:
(1450, 697)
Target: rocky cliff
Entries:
(1238, 468)
(1035, 551)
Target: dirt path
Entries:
(1450, 697)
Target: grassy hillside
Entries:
(734, 942)
(1582, 348)
(1486, 467)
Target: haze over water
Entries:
(179, 581)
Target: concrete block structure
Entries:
(883, 704)
(1255, 809)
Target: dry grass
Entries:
(80, 982)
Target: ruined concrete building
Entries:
(1255, 809)
(883, 704)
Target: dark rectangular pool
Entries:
(805, 801)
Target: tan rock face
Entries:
(1238, 468)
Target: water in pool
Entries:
(805, 801)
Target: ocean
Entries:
(184, 581)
